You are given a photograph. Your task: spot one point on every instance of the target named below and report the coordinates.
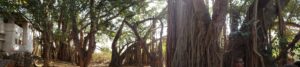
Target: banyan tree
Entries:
(193, 33)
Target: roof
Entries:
(17, 17)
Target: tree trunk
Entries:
(242, 41)
(171, 37)
(197, 37)
(47, 41)
(115, 59)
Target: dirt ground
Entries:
(67, 64)
(93, 64)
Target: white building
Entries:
(15, 34)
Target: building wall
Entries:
(1, 25)
(13, 37)
(2, 33)
(27, 45)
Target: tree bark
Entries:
(171, 37)
(115, 59)
(197, 35)
(266, 13)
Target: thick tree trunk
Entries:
(171, 37)
(75, 38)
(45, 54)
(266, 13)
(91, 36)
(115, 59)
(46, 48)
(197, 36)
(47, 42)
(64, 46)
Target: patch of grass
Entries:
(102, 57)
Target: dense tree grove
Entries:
(158, 33)
(68, 29)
